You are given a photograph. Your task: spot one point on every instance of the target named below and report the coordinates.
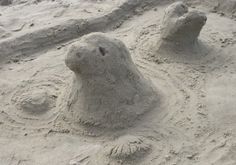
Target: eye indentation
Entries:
(102, 51)
(78, 55)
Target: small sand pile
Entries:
(35, 102)
(108, 91)
(127, 149)
(179, 32)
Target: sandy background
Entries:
(195, 123)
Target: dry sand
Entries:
(193, 120)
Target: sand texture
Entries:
(117, 82)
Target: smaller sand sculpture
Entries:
(34, 102)
(180, 29)
(5, 2)
(108, 91)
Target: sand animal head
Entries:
(95, 54)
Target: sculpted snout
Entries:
(87, 58)
(75, 56)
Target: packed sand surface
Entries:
(117, 82)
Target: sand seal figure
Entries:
(180, 29)
(108, 91)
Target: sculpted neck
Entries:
(97, 84)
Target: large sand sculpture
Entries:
(108, 91)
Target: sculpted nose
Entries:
(73, 58)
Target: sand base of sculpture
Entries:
(179, 34)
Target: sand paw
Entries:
(128, 147)
(80, 160)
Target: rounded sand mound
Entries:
(107, 91)
(35, 102)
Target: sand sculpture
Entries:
(108, 91)
(35, 99)
(180, 28)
